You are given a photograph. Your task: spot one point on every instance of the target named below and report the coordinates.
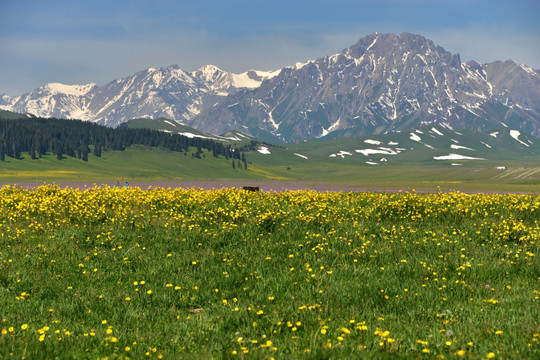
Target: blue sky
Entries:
(78, 42)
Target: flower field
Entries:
(175, 273)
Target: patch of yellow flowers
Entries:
(499, 219)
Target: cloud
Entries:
(488, 44)
(80, 42)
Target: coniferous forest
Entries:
(36, 137)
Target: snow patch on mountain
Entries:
(170, 123)
(332, 128)
(191, 135)
(244, 81)
(415, 137)
(459, 147)
(456, 157)
(515, 134)
(372, 142)
(341, 154)
(264, 150)
(384, 151)
(76, 90)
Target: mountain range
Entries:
(384, 83)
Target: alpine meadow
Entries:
(378, 202)
(167, 273)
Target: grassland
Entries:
(127, 273)
(140, 164)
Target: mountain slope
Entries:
(383, 83)
(430, 145)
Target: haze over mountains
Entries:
(384, 83)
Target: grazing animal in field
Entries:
(251, 188)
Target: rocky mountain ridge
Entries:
(155, 92)
(383, 83)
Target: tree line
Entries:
(74, 138)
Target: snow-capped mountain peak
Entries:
(208, 72)
(58, 88)
(383, 83)
(222, 80)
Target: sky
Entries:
(98, 41)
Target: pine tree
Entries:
(97, 149)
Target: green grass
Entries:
(229, 274)
(137, 163)
(352, 172)
(414, 168)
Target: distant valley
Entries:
(427, 158)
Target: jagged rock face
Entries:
(169, 92)
(53, 100)
(155, 92)
(381, 84)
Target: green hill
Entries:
(8, 115)
(424, 159)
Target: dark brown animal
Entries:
(251, 188)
